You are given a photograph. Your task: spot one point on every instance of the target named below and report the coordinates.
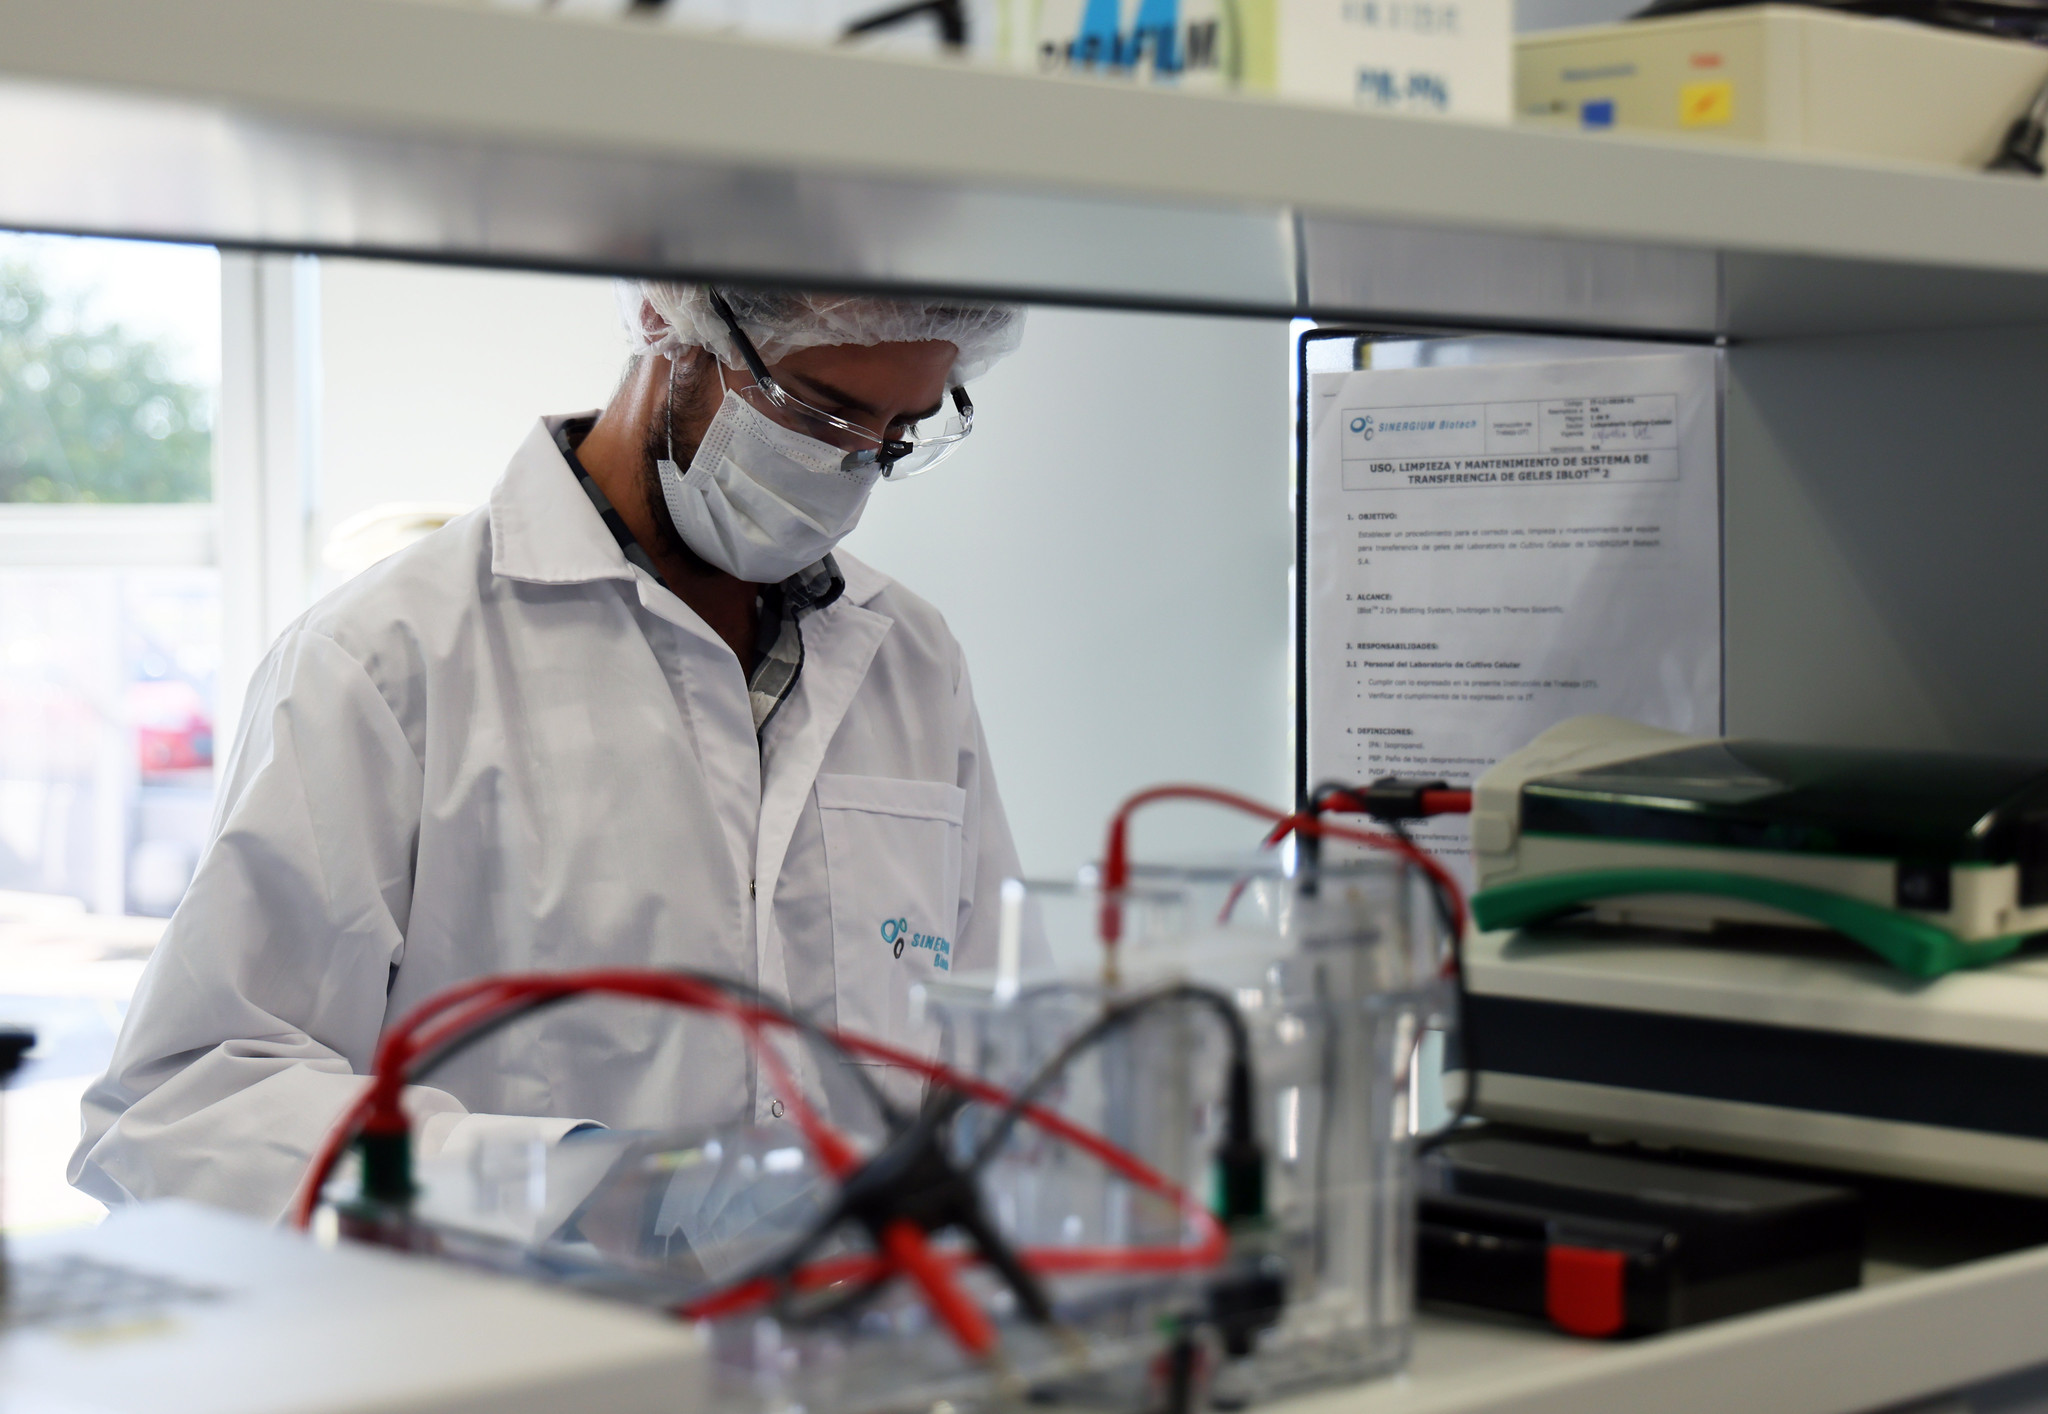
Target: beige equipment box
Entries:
(1789, 77)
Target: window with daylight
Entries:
(109, 598)
(110, 647)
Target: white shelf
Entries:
(1885, 1345)
(466, 133)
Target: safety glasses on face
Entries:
(906, 449)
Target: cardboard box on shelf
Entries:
(1437, 58)
(1786, 76)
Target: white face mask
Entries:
(760, 501)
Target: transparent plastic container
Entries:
(1336, 978)
(1333, 982)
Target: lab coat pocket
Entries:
(892, 861)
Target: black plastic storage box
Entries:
(1604, 1243)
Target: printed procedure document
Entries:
(1494, 548)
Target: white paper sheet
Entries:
(1494, 548)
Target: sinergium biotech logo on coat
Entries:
(897, 935)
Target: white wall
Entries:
(1884, 512)
(1111, 546)
(433, 375)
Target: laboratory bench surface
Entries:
(1926, 1327)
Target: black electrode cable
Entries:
(1468, 1101)
(912, 1176)
(2021, 149)
(871, 1195)
(1318, 801)
(1240, 1159)
(949, 15)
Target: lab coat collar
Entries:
(543, 528)
(862, 583)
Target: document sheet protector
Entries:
(1493, 548)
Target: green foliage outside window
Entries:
(92, 413)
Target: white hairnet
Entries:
(782, 321)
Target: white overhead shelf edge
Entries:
(462, 132)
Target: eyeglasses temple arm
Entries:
(749, 355)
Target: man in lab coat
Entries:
(634, 712)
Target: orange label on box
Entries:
(1702, 105)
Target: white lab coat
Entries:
(504, 749)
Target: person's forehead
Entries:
(875, 365)
(876, 377)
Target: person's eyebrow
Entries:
(838, 397)
(841, 398)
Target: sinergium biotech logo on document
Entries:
(897, 935)
(1619, 437)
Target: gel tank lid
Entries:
(1921, 805)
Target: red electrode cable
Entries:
(1116, 858)
(904, 1247)
(1445, 801)
(379, 1110)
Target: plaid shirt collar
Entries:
(779, 639)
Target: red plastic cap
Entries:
(1582, 1290)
